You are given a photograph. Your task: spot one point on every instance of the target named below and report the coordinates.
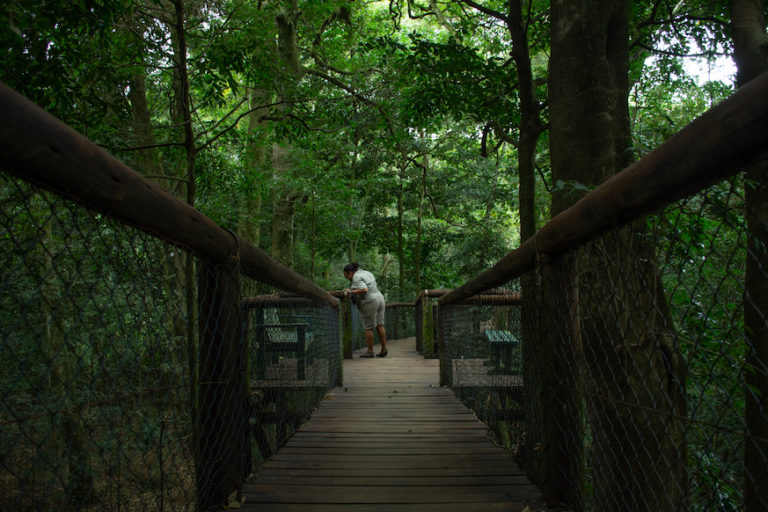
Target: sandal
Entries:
(383, 353)
(367, 354)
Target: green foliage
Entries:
(379, 92)
(401, 136)
(93, 379)
(67, 57)
(448, 80)
(701, 243)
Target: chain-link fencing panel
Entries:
(293, 356)
(357, 333)
(480, 350)
(135, 375)
(400, 320)
(643, 378)
(95, 345)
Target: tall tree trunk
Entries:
(181, 119)
(283, 208)
(80, 476)
(634, 376)
(417, 263)
(184, 100)
(313, 239)
(149, 162)
(531, 128)
(151, 166)
(531, 125)
(284, 198)
(257, 168)
(352, 247)
(751, 56)
(400, 240)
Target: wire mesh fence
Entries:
(127, 384)
(638, 383)
(400, 320)
(95, 349)
(481, 359)
(294, 357)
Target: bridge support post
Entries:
(419, 324)
(221, 406)
(345, 308)
(427, 326)
(446, 361)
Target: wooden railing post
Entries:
(446, 361)
(339, 381)
(345, 308)
(395, 335)
(419, 323)
(221, 446)
(428, 328)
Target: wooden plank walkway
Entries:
(391, 440)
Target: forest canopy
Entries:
(409, 135)
(427, 140)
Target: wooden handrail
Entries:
(39, 148)
(274, 300)
(432, 294)
(484, 299)
(725, 139)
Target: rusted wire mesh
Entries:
(632, 382)
(116, 388)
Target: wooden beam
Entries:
(716, 145)
(39, 148)
(511, 299)
(256, 264)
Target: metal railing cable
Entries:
(151, 360)
(638, 379)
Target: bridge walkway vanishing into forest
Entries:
(391, 439)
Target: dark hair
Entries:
(352, 267)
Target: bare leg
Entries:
(369, 340)
(382, 336)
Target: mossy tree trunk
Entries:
(751, 55)
(284, 198)
(531, 128)
(634, 379)
(62, 380)
(257, 167)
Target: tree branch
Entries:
(485, 10)
(140, 148)
(167, 178)
(338, 83)
(237, 120)
(220, 121)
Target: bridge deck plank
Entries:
(391, 440)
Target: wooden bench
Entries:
(504, 349)
(275, 338)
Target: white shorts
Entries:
(372, 313)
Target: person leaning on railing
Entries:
(370, 303)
